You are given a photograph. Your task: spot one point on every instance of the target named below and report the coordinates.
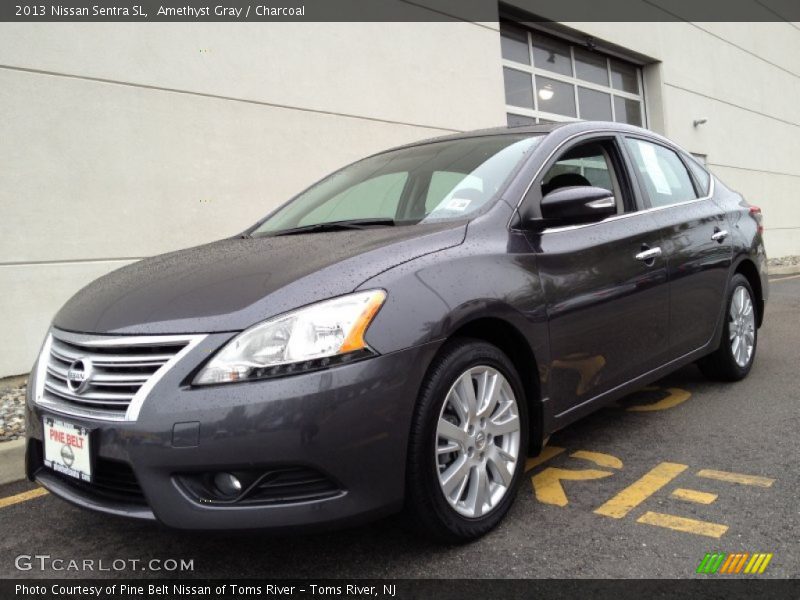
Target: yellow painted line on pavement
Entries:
(547, 484)
(736, 478)
(714, 530)
(784, 278)
(694, 496)
(676, 396)
(546, 454)
(598, 458)
(640, 490)
(23, 497)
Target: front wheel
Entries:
(733, 359)
(466, 449)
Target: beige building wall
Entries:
(120, 141)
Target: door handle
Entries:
(719, 235)
(649, 255)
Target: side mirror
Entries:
(578, 204)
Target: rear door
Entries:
(607, 303)
(695, 237)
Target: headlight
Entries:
(310, 338)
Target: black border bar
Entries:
(32, 11)
(403, 589)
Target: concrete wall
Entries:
(120, 141)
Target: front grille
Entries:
(117, 370)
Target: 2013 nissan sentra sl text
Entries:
(400, 335)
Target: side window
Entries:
(663, 173)
(375, 198)
(585, 164)
(700, 174)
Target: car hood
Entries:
(232, 284)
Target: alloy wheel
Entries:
(478, 441)
(742, 326)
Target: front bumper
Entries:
(349, 423)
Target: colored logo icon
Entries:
(735, 563)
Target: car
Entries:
(399, 336)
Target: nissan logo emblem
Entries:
(67, 455)
(79, 375)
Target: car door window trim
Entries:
(632, 214)
(650, 209)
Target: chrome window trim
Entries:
(626, 215)
(634, 134)
(132, 412)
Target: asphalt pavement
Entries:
(642, 489)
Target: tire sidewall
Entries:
(456, 360)
(736, 282)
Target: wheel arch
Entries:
(508, 338)
(748, 269)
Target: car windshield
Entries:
(439, 181)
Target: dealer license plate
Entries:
(66, 449)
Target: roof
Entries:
(575, 126)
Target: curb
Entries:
(783, 270)
(12, 461)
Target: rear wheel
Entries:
(733, 359)
(466, 450)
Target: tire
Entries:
(481, 480)
(725, 363)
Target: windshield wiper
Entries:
(336, 226)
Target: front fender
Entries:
(430, 298)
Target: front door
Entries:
(605, 283)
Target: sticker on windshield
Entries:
(458, 204)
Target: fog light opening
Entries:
(227, 484)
